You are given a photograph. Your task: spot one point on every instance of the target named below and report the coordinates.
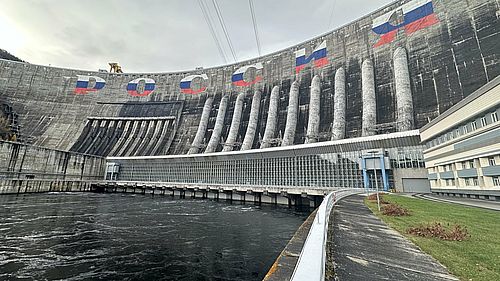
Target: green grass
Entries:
(477, 258)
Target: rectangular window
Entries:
(473, 125)
(496, 181)
(465, 129)
(475, 181)
(457, 133)
(471, 164)
(483, 122)
(494, 117)
(491, 161)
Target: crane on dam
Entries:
(115, 67)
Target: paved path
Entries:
(365, 248)
(480, 203)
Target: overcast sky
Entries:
(160, 35)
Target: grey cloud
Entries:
(156, 35)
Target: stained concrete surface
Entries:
(362, 247)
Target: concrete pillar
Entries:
(202, 127)
(292, 114)
(314, 105)
(252, 122)
(404, 100)
(235, 123)
(219, 123)
(369, 117)
(272, 118)
(338, 128)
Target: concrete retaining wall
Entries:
(20, 161)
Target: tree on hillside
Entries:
(8, 56)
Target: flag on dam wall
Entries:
(83, 81)
(186, 84)
(237, 77)
(149, 86)
(318, 55)
(416, 15)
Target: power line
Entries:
(212, 30)
(254, 21)
(226, 34)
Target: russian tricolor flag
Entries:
(186, 84)
(318, 55)
(237, 77)
(417, 15)
(149, 86)
(83, 81)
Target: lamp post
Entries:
(376, 179)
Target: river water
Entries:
(86, 236)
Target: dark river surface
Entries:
(86, 236)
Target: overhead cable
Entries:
(206, 15)
(254, 21)
(224, 29)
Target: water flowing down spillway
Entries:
(125, 237)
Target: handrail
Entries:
(311, 263)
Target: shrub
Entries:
(373, 197)
(391, 209)
(437, 230)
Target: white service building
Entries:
(462, 146)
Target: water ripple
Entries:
(60, 236)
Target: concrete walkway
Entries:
(365, 248)
(480, 203)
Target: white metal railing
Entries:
(311, 263)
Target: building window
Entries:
(494, 117)
(469, 164)
(496, 181)
(483, 122)
(465, 129)
(457, 133)
(473, 125)
(491, 161)
(471, 181)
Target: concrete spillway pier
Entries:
(219, 123)
(314, 107)
(202, 127)
(252, 123)
(253, 194)
(235, 123)
(403, 91)
(338, 128)
(369, 117)
(292, 114)
(272, 118)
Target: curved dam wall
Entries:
(393, 70)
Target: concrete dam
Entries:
(393, 70)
